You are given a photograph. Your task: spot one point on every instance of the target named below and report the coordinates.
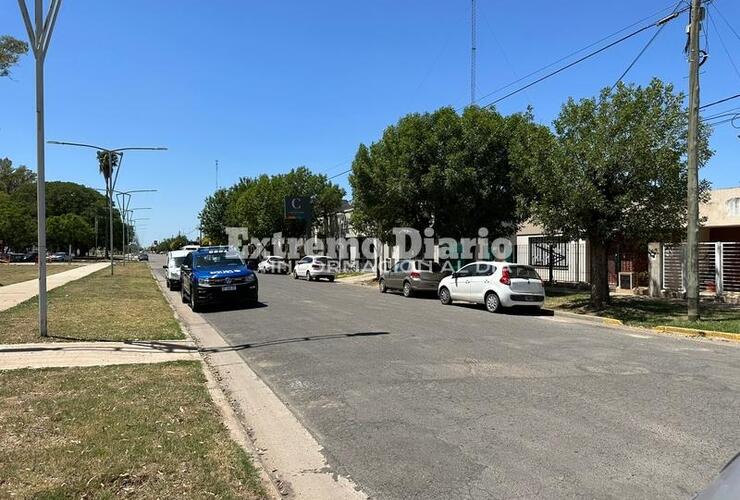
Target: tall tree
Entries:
(442, 169)
(614, 170)
(11, 49)
(69, 229)
(13, 178)
(17, 226)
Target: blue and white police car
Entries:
(214, 275)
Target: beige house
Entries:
(722, 213)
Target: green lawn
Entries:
(126, 306)
(648, 312)
(139, 431)
(16, 273)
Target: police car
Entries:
(216, 275)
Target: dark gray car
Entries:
(412, 276)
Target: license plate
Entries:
(229, 288)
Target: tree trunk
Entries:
(599, 274)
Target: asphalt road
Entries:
(412, 399)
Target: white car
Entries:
(315, 267)
(172, 268)
(495, 284)
(273, 264)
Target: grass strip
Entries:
(143, 431)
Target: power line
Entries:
(581, 59)
(724, 47)
(714, 103)
(647, 45)
(340, 173)
(725, 20)
(550, 65)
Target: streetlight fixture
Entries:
(40, 37)
(109, 176)
(126, 215)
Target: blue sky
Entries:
(267, 86)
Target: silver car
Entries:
(412, 276)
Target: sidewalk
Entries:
(12, 295)
(15, 356)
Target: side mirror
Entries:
(454, 275)
(164, 267)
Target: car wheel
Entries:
(167, 284)
(194, 305)
(493, 303)
(444, 296)
(308, 276)
(331, 279)
(295, 275)
(182, 294)
(407, 290)
(381, 286)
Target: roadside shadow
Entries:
(225, 306)
(291, 340)
(527, 311)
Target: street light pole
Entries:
(110, 178)
(40, 38)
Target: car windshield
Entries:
(219, 259)
(428, 266)
(178, 261)
(524, 272)
(276, 259)
(321, 260)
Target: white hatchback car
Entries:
(273, 264)
(172, 268)
(495, 284)
(315, 267)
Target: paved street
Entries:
(412, 399)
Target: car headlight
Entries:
(250, 278)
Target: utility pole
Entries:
(40, 36)
(692, 236)
(473, 48)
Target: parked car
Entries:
(315, 267)
(211, 276)
(172, 268)
(495, 284)
(143, 257)
(58, 257)
(30, 257)
(273, 264)
(412, 276)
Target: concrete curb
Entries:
(588, 317)
(292, 461)
(695, 332)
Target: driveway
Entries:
(412, 399)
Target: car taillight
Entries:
(415, 275)
(505, 276)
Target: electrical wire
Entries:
(570, 65)
(725, 20)
(593, 44)
(722, 42)
(647, 45)
(720, 101)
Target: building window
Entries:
(541, 248)
(733, 207)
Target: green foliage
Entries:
(440, 169)
(613, 171)
(107, 163)
(170, 244)
(18, 207)
(68, 229)
(11, 49)
(258, 204)
(17, 227)
(12, 179)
